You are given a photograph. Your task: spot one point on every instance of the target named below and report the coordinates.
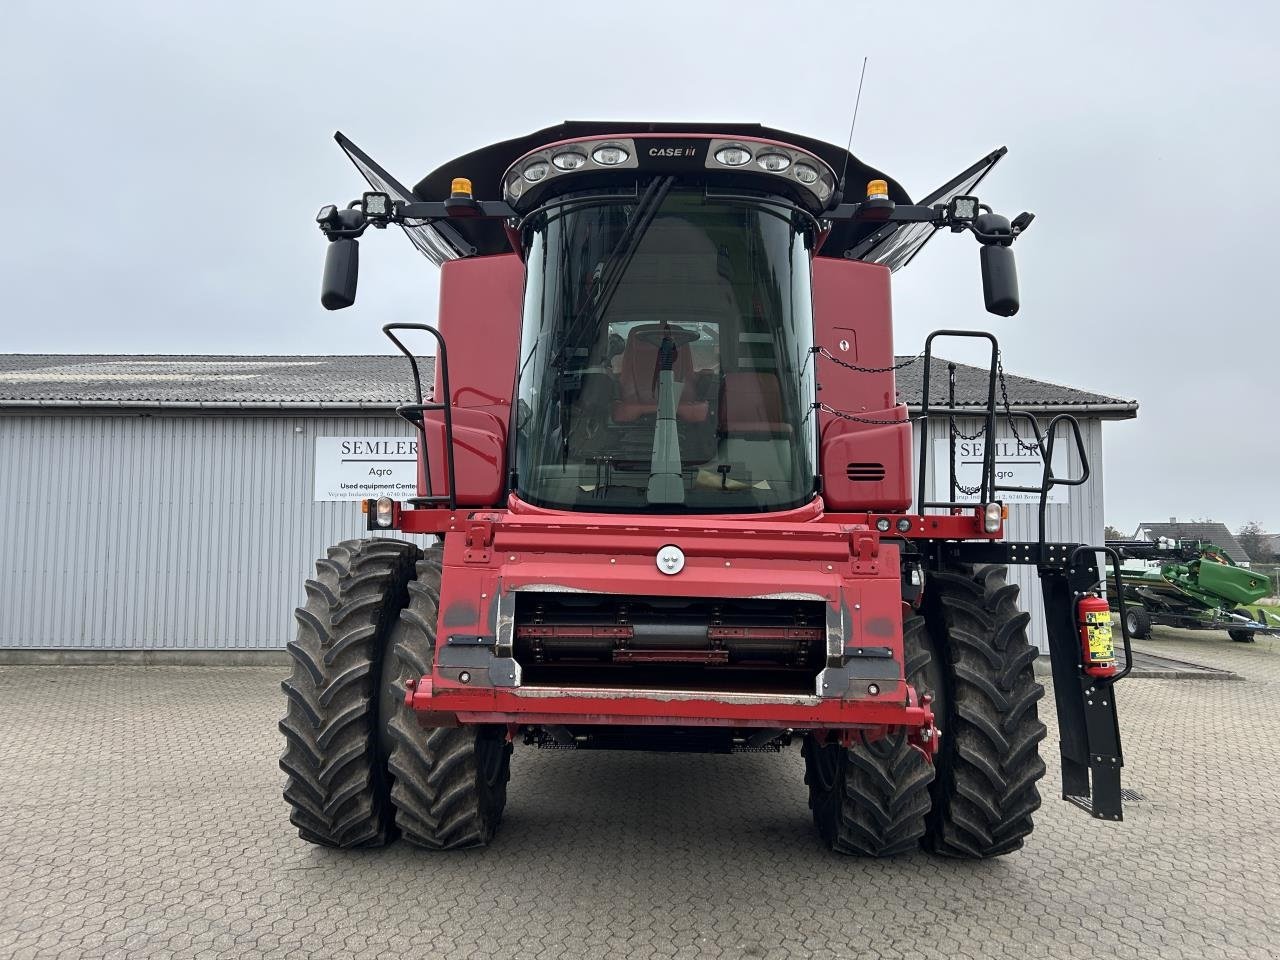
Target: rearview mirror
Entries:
(999, 279)
(342, 270)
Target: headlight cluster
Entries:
(787, 162)
(547, 164)
(687, 153)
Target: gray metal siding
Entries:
(1078, 521)
(163, 531)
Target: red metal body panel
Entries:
(480, 457)
(480, 305)
(852, 321)
(954, 526)
(658, 708)
(840, 561)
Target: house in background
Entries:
(1215, 533)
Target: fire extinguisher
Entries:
(1093, 616)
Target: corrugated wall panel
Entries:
(138, 532)
(1080, 520)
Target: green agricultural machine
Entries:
(1193, 585)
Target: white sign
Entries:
(356, 468)
(1015, 466)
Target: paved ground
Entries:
(140, 816)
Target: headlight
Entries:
(569, 160)
(992, 514)
(610, 155)
(806, 173)
(536, 171)
(385, 514)
(773, 162)
(733, 156)
(904, 524)
(883, 524)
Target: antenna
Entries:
(857, 100)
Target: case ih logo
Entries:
(675, 154)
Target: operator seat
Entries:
(638, 384)
(675, 276)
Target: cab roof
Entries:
(484, 168)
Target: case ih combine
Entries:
(672, 486)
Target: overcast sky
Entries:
(164, 167)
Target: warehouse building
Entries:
(176, 502)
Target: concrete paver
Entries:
(140, 816)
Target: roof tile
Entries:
(361, 379)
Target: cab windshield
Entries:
(665, 355)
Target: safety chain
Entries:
(857, 369)
(955, 431)
(1008, 411)
(827, 408)
(957, 434)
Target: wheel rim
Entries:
(1131, 621)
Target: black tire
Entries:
(1242, 636)
(1138, 621)
(871, 799)
(988, 761)
(449, 784)
(337, 788)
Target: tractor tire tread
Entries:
(989, 765)
(336, 787)
(442, 797)
(879, 797)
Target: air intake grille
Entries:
(865, 472)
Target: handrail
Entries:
(988, 488)
(415, 413)
(988, 456)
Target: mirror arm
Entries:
(455, 208)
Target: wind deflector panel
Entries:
(429, 241)
(895, 245)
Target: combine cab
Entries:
(669, 484)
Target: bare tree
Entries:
(1253, 542)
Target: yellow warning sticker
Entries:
(1101, 645)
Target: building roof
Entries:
(1024, 392)
(198, 380)
(1215, 533)
(379, 381)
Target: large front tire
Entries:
(988, 761)
(449, 784)
(871, 799)
(337, 788)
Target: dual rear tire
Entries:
(361, 770)
(970, 653)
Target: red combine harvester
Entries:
(671, 481)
